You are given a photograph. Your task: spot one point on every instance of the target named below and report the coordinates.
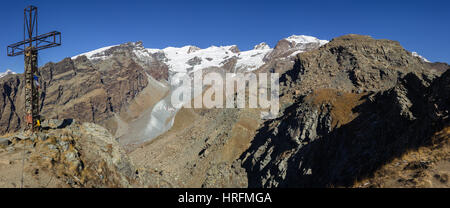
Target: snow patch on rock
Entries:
(98, 53)
(8, 71)
(304, 39)
(421, 57)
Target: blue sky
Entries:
(422, 26)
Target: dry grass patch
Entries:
(342, 104)
(428, 166)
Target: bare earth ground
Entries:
(186, 161)
(15, 162)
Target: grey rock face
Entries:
(260, 46)
(194, 61)
(300, 125)
(5, 141)
(193, 49)
(302, 149)
(52, 123)
(235, 49)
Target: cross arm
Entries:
(44, 41)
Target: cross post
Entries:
(29, 47)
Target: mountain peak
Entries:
(304, 39)
(193, 49)
(261, 46)
(94, 52)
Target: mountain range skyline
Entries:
(221, 23)
(303, 39)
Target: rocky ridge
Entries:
(80, 89)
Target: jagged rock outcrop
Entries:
(261, 46)
(311, 146)
(67, 153)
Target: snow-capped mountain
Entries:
(182, 61)
(191, 58)
(96, 54)
(8, 71)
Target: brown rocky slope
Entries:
(103, 92)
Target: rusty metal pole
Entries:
(31, 91)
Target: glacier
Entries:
(186, 60)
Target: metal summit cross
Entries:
(31, 44)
